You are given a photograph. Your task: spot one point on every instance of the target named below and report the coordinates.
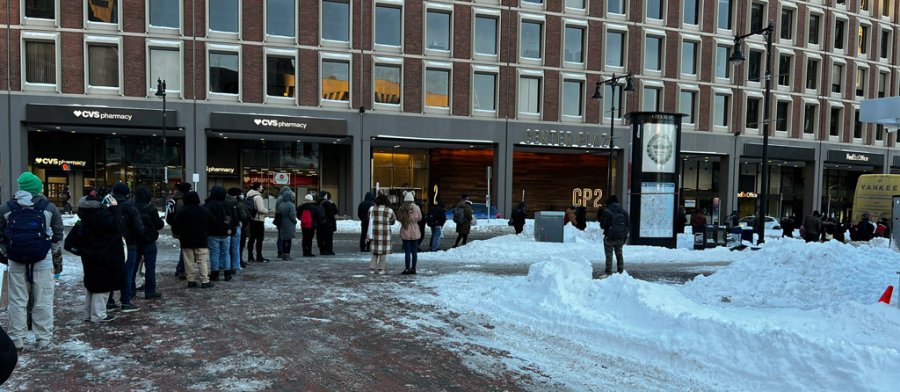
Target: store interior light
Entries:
(396, 146)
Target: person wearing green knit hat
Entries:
(30, 183)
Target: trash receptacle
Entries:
(747, 234)
(700, 240)
(715, 236)
(734, 237)
(548, 226)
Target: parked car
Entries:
(749, 222)
(479, 210)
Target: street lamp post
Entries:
(737, 57)
(161, 92)
(598, 94)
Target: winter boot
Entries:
(214, 276)
(228, 274)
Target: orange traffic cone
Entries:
(886, 297)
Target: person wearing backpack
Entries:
(233, 202)
(191, 226)
(258, 211)
(134, 229)
(174, 205)
(102, 254)
(287, 227)
(309, 215)
(362, 212)
(437, 216)
(147, 249)
(462, 216)
(30, 227)
(223, 224)
(615, 232)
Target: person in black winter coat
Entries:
(102, 254)
(581, 218)
(421, 224)
(680, 220)
(224, 223)
(308, 223)
(518, 217)
(435, 219)
(325, 231)
(362, 212)
(147, 249)
(134, 229)
(192, 228)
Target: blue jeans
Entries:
(236, 250)
(148, 253)
(436, 233)
(411, 248)
(130, 263)
(219, 253)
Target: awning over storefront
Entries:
(855, 158)
(99, 116)
(272, 124)
(784, 153)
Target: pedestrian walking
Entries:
(325, 231)
(437, 216)
(615, 232)
(409, 216)
(287, 227)
(100, 245)
(172, 207)
(192, 227)
(146, 244)
(381, 218)
(234, 203)
(462, 216)
(223, 225)
(31, 228)
(362, 212)
(257, 209)
(518, 217)
(811, 227)
(310, 216)
(133, 229)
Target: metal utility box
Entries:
(548, 226)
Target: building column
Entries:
(14, 159)
(502, 196)
(360, 151)
(195, 156)
(622, 175)
(5, 161)
(813, 189)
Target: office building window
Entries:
(882, 84)
(485, 35)
(753, 106)
(725, 14)
(861, 79)
(782, 116)
(886, 44)
(336, 20)
(573, 92)
(721, 109)
(863, 39)
(614, 46)
(574, 44)
(388, 22)
(857, 125)
(754, 66)
(388, 88)
(485, 89)
(223, 16)
(723, 67)
(437, 88)
(809, 118)
(689, 58)
(615, 6)
(837, 74)
(785, 62)
(533, 1)
(879, 132)
(758, 16)
(165, 64)
(576, 4)
(281, 76)
(40, 62)
(437, 30)
(687, 106)
(690, 8)
(529, 95)
(103, 65)
(655, 9)
(650, 100)
(839, 27)
(532, 38)
(834, 123)
(224, 73)
(165, 13)
(787, 23)
(812, 74)
(653, 47)
(886, 8)
(40, 9)
(103, 11)
(336, 80)
(813, 23)
(864, 5)
(280, 18)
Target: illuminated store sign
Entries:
(747, 195)
(857, 157)
(220, 170)
(586, 197)
(57, 162)
(539, 137)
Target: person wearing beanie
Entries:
(409, 215)
(309, 214)
(614, 223)
(173, 205)
(257, 226)
(30, 280)
(286, 221)
(325, 231)
(278, 219)
(233, 201)
(192, 228)
(134, 229)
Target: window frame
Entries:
(485, 69)
(890, 11)
(612, 15)
(165, 29)
(281, 53)
(538, 19)
(280, 38)
(788, 123)
(570, 77)
(225, 34)
(107, 41)
(729, 109)
(541, 5)
(820, 36)
(91, 25)
(731, 16)
(576, 11)
(864, 71)
(389, 62)
(840, 123)
(335, 57)
(792, 68)
(659, 87)
(623, 54)
(327, 42)
(815, 119)
(890, 45)
(818, 77)
(489, 13)
(863, 127)
(661, 36)
(844, 39)
(758, 96)
(575, 24)
(530, 74)
(842, 84)
(883, 74)
(699, 11)
(33, 21)
(695, 91)
(696, 40)
(729, 46)
(761, 50)
(151, 79)
(749, 19)
(33, 36)
(398, 4)
(223, 48)
(439, 66)
(663, 8)
(863, 46)
(439, 8)
(793, 23)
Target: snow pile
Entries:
(791, 273)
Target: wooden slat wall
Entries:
(459, 171)
(548, 180)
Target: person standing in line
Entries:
(421, 224)
(102, 254)
(287, 228)
(325, 231)
(787, 227)
(257, 223)
(192, 227)
(362, 212)
(172, 207)
(518, 217)
(580, 218)
(310, 216)
(866, 229)
(409, 216)
(381, 218)
(224, 223)
(615, 232)
(437, 216)
(569, 216)
(134, 228)
(680, 220)
(29, 259)
(698, 222)
(462, 216)
(811, 227)
(234, 204)
(146, 244)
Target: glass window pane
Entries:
(387, 84)
(280, 17)
(781, 115)
(686, 106)
(337, 15)
(753, 113)
(223, 16)
(437, 88)
(839, 34)
(861, 81)
(44, 9)
(165, 64)
(223, 73)
(103, 11)
(531, 40)
(574, 44)
(40, 62)
(757, 14)
(616, 6)
(837, 72)
(486, 35)
(529, 95)
(754, 68)
(387, 25)
(725, 14)
(809, 118)
(863, 39)
(614, 42)
(650, 100)
(787, 23)
(654, 9)
(533, 1)
(690, 12)
(652, 53)
(165, 13)
(834, 128)
(572, 93)
(689, 58)
(723, 68)
(857, 126)
(280, 76)
(103, 66)
(784, 70)
(885, 44)
(720, 110)
(814, 29)
(485, 90)
(438, 31)
(812, 75)
(335, 80)
(578, 4)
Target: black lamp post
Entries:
(598, 94)
(161, 92)
(737, 57)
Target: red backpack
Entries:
(306, 220)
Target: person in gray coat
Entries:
(287, 224)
